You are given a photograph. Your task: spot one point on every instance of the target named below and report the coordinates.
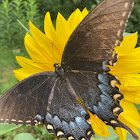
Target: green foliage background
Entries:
(12, 44)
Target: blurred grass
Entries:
(38, 132)
(7, 65)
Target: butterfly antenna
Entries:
(24, 27)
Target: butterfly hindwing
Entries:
(100, 96)
(93, 40)
(64, 115)
(28, 98)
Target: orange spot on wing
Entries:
(89, 121)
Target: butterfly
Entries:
(60, 99)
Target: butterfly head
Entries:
(59, 70)
(56, 65)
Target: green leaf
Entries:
(24, 136)
(4, 127)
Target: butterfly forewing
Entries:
(93, 40)
(28, 98)
(44, 97)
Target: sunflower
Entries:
(46, 48)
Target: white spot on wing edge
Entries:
(116, 109)
(113, 82)
(117, 42)
(49, 127)
(28, 121)
(119, 33)
(71, 138)
(35, 121)
(126, 4)
(20, 121)
(123, 14)
(116, 96)
(88, 133)
(113, 121)
(60, 133)
(122, 23)
(13, 120)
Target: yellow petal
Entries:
(98, 126)
(23, 73)
(126, 65)
(136, 52)
(73, 21)
(131, 96)
(128, 45)
(51, 33)
(130, 115)
(34, 51)
(29, 64)
(61, 30)
(130, 82)
(48, 27)
(121, 133)
(45, 44)
(85, 12)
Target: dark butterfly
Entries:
(52, 97)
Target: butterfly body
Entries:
(61, 100)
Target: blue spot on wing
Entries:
(107, 101)
(105, 89)
(81, 123)
(103, 113)
(103, 79)
(57, 122)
